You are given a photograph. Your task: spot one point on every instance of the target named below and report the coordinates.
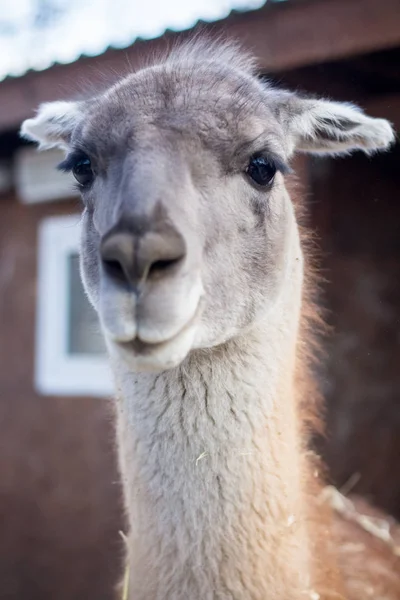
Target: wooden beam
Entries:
(282, 35)
(307, 32)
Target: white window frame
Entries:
(36, 178)
(58, 373)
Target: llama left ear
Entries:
(324, 127)
(53, 125)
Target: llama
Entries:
(192, 257)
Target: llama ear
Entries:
(53, 124)
(324, 127)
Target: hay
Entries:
(125, 587)
(375, 526)
(199, 458)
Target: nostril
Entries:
(114, 269)
(161, 266)
(117, 256)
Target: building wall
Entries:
(59, 494)
(356, 210)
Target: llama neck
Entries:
(213, 472)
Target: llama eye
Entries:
(82, 171)
(261, 170)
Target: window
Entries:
(70, 351)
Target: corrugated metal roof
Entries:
(36, 34)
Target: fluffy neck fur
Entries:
(214, 469)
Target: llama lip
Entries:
(142, 348)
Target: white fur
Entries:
(53, 124)
(367, 134)
(198, 448)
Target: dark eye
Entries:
(82, 170)
(261, 170)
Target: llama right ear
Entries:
(53, 124)
(325, 127)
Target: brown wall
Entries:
(356, 209)
(59, 493)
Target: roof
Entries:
(36, 34)
(282, 35)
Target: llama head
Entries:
(186, 220)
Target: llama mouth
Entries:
(141, 348)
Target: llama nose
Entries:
(135, 258)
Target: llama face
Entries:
(187, 226)
(186, 217)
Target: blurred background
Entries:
(60, 509)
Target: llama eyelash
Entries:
(276, 161)
(67, 165)
(246, 152)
